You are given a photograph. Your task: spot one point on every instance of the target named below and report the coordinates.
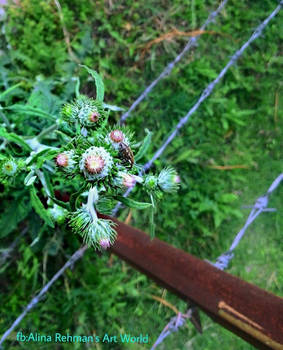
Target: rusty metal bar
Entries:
(248, 311)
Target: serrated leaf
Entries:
(132, 203)
(31, 180)
(98, 83)
(144, 147)
(39, 208)
(28, 177)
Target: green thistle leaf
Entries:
(144, 147)
(10, 136)
(39, 208)
(98, 83)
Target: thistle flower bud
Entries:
(62, 159)
(104, 243)
(168, 180)
(58, 214)
(9, 167)
(66, 161)
(93, 116)
(151, 182)
(88, 112)
(96, 163)
(115, 137)
(128, 180)
(99, 233)
(67, 110)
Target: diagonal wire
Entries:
(206, 92)
(260, 206)
(211, 86)
(76, 256)
(79, 253)
(191, 43)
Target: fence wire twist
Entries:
(79, 253)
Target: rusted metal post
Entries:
(246, 310)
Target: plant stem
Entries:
(92, 198)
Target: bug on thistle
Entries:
(126, 154)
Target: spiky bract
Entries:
(93, 230)
(167, 180)
(86, 111)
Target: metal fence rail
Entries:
(248, 311)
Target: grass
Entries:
(239, 124)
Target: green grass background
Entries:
(240, 124)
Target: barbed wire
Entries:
(79, 253)
(223, 260)
(260, 206)
(173, 326)
(191, 43)
(206, 92)
(211, 86)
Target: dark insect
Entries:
(126, 154)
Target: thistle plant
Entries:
(101, 159)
